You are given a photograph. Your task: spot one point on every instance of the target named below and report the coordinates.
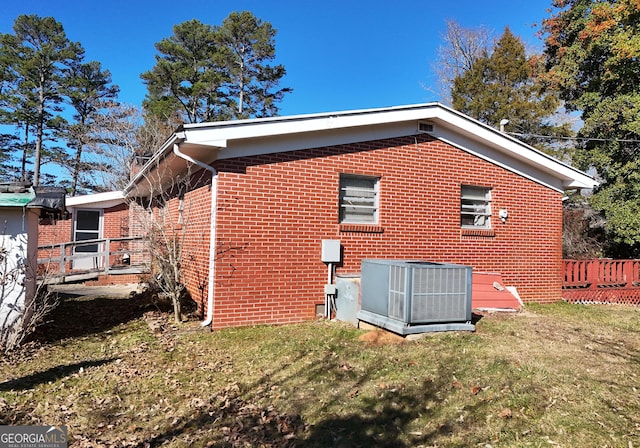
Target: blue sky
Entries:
(339, 55)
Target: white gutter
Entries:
(212, 233)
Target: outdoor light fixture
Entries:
(503, 214)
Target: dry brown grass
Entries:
(561, 375)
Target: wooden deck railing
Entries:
(113, 256)
(602, 281)
(601, 273)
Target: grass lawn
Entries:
(119, 375)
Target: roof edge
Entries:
(311, 116)
(93, 199)
(216, 134)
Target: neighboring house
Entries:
(20, 209)
(413, 182)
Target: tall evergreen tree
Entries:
(186, 79)
(36, 55)
(8, 146)
(247, 45)
(17, 109)
(90, 91)
(505, 84)
(593, 58)
(207, 73)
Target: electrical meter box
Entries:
(331, 251)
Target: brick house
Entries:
(412, 182)
(92, 216)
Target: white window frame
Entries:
(359, 202)
(475, 207)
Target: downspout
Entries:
(212, 234)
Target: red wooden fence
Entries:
(602, 281)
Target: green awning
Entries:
(17, 199)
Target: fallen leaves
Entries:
(315, 385)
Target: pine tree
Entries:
(7, 141)
(505, 84)
(36, 55)
(8, 146)
(247, 46)
(17, 109)
(186, 79)
(90, 91)
(207, 73)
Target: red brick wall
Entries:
(116, 221)
(192, 232)
(54, 231)
(116, 225)
(274, 210)
(105, 280)
(196, 228)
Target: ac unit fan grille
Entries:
(416, 292)
(438, 294)
(397, 291)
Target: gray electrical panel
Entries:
(331, 251)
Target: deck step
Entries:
(490, 292)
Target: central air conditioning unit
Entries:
(409, 297)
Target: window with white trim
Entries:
(358, 199)
(475, 207)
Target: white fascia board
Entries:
(97, 200)
(218, 134)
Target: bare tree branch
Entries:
(120, 136)
(459, 49)
(164, 224)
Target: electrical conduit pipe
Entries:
(212, 234)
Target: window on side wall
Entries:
(475, 207)
(358, 199)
